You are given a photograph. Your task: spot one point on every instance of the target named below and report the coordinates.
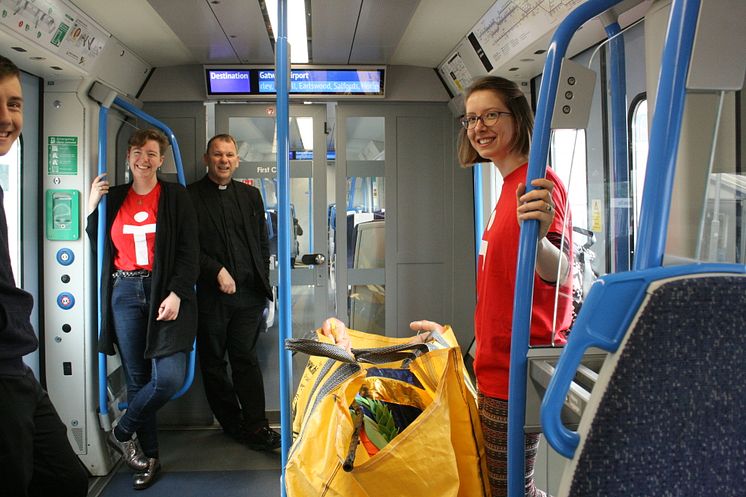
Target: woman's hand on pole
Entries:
(536, 204)
(99, 188)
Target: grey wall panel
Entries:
(188, 122)
(420, 175)
(177, 83)
(422, 295)
(410, 83)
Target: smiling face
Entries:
(222, 160)
(493, 142)
(144, 161)
(11, 112)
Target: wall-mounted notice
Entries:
(511, 25)
(455, 71)
(55, 26)
(62, 155)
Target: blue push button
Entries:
(65, 300)
(65, 256)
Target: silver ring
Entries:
(549, 207)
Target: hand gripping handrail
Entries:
(625, 290)
(101, 239)
(529, 236)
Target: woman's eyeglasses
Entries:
(488, 119)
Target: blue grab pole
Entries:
(103, 399)
(528, 240)
(620, 170)
(665, 132)
(282, 65)
(478, 217)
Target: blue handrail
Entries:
(282, 65)
(102, 127)
(529, 237)
(665, 131)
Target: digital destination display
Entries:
(312, 81)
(320, 82)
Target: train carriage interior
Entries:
(383, 224)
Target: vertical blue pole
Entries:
(665, 132)
(478, 217)
(103, 401)
(621, 200)
(282, 66)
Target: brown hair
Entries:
(8, 68)
(142, 136)
(225, 137)
(517, 104)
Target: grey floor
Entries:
(204, 462)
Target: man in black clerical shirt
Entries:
(232, 293)
(36, 458)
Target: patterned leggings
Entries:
(493, 415)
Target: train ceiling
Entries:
(179, 32)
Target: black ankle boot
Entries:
(141, 481)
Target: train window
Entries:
(10, 180)
(639, 149)
(366, 208)
(568, 160)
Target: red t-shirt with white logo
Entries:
(133, 230)
(496, 273)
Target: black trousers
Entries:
(237, 404)
(36, 458)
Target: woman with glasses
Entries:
(148, 302)
(497, 128)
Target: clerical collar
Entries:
(222, 187)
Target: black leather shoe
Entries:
(143, 480)
(130, 451)
(265, 438)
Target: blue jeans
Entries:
(150, 382)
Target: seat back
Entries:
(668, 412)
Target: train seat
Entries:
(667, 414)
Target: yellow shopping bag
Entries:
(439, 453)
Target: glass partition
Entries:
(365, 216)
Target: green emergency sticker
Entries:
(62, 156)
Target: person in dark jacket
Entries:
(36, 458)
(148, 303)
(233, 290)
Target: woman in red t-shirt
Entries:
(148, 305)
(497, 128)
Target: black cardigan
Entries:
(175, 268)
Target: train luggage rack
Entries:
(541, 367)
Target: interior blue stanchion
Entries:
(284, 223)
(102, 145)
(529, 236)
(478, 217)
(617, 75)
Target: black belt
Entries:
(137, 273)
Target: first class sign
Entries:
(248, 82)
